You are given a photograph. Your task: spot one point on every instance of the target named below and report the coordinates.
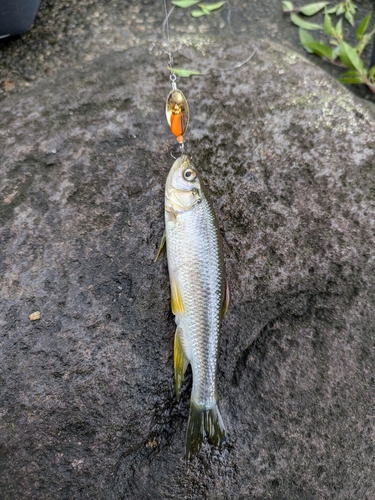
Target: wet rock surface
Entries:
(88, 408)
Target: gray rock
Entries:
(88, 408)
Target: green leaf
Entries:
(351, 8)
(350, 77)
(335, 53)
(350, 58)
(371, 72)
(351, 72)
(332, 10)
(305, 38)
(184, 4)
(338, 29)
(363, 25)
(319, 49)
(211, 6)
(199, 13)
(350, 80)
(298, 21)
(340, 10)
(349, 17)
(185, 73)
(313, 8)
(314, 47)
(287, 6)
(328, 28)
(360, 47)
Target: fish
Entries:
(199, 297)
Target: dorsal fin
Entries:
(225, 304)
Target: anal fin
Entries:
(180, 363)
(176, 300)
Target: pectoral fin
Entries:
(180, 364)
(161, 246)
(176, 301)
(225, 304)
(171, 213)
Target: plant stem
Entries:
(335, 63)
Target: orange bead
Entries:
(176, 126)
(180, 139)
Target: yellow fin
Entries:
(176, 301)
(161, 246)
(224, 307)
(180, 364)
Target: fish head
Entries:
(183, 189)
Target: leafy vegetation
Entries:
(338, 51)
(185, 73)
(204, 8)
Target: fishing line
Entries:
(166, 23)
(169, 52)
(176, 109)
(166, 32)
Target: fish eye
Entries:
(189, 174)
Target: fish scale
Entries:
(196, 270)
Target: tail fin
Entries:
(203, 422)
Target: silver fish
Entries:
(199, 297)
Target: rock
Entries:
(34, 316)
(88, 408)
